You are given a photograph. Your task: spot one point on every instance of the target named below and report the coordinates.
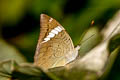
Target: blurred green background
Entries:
(20, 20)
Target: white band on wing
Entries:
(52, 33)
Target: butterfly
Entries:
(55, 47)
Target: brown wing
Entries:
(46, 25)
(52, 53)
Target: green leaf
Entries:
(8, 52)
(10, 69)
(91, 38)
(4, 78)
(110, 63)
(114, 43)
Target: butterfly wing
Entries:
(53, 45)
